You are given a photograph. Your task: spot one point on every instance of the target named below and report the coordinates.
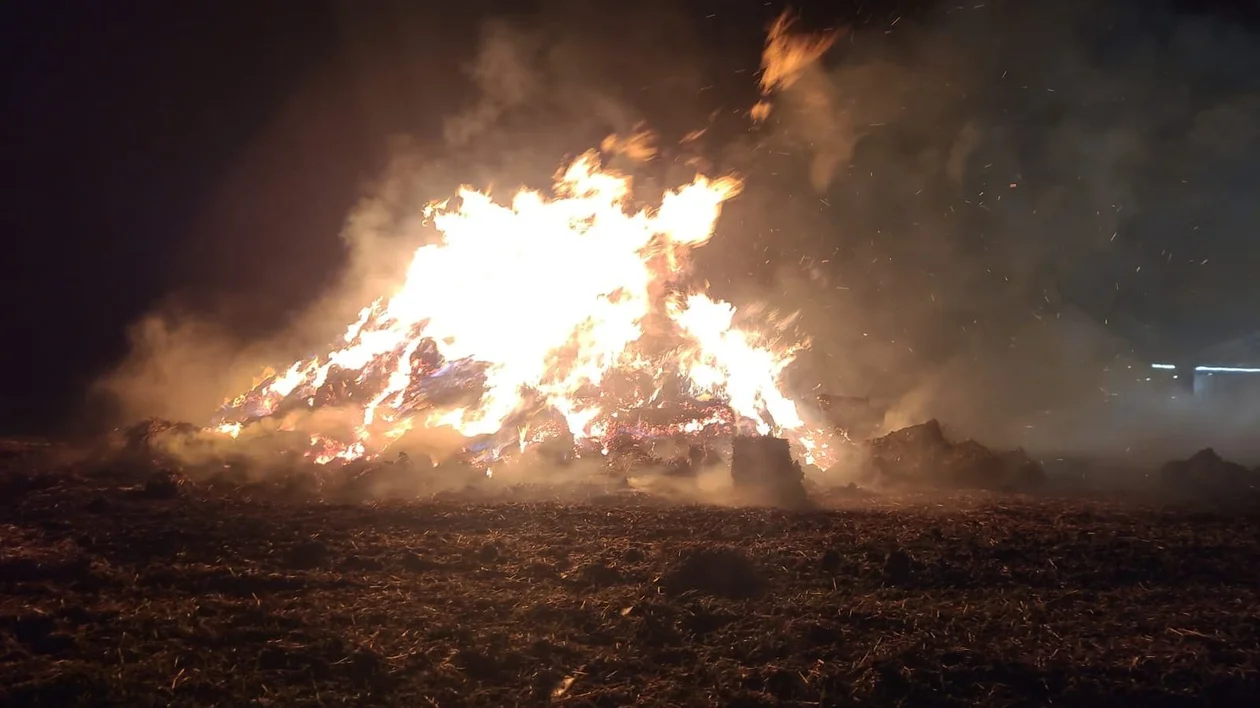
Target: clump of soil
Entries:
(921, 456)
(717, 571)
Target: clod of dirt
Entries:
(721, 572)
(415, 563)
(165, 486)
(921, 456)
(59, 688)
(67, 569)
(705, 618)
(831, 561)
(306, 555)
(784, 684)
(299, 486)
(1207, 474)
(851, 490)
(898, 566)
(365, 666)
(598, 574)
(355, 564)
(18, 483)
(488, 553)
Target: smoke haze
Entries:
(977, 212)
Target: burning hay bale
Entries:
(631, 348)
(1206, 474)
(625, 363)
(921, 456)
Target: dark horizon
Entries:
(208, 154)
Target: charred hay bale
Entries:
(921, 456)
(923, 437)
(154, 444)
(912, 456)
(144, 437)
(762, 468)
(970, 465)
(720, 571)
(1207, 474)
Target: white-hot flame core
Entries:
(549, 295)
(728, 363)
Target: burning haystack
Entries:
(568, 319)
(920, 456)
(582, 326)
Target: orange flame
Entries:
(786, 56)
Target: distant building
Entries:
(1227, 372)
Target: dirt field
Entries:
(184, 596)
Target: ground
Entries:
(186, 595)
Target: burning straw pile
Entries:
(584, 321)
(563, 329)
(565, 325)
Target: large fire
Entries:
(551, 316)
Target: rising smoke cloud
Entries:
(987, 212)
(957, 203)
(540, 91)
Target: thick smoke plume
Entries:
(975, 211)
(979, 212)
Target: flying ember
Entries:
(561, 316)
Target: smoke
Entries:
(185, 360)
(981, 214)
(977, 212)
(540, 88)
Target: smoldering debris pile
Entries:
(280, 462)
(1207, 475)
(762, 469)
(920, 456)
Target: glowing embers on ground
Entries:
(565, 306)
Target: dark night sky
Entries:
(212, 150)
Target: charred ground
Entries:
(116, 591)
